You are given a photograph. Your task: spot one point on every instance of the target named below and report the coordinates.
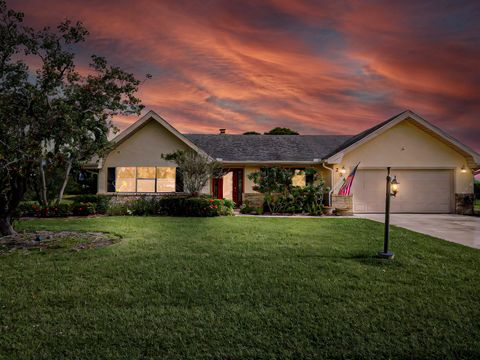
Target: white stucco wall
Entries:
(406, 146)
(143, 148)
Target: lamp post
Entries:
(391, 190)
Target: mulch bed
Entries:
(72, 240)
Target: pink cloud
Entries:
(318, 67)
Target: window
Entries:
(298, 178)
(143, 179)
(146, 179)
(166, 179)
(125, 179)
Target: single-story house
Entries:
(435, 171)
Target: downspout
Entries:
(331, 181)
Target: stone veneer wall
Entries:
(125, 198)
(343, 202)
(253, 199)
(464, 204)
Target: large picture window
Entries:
(145, 179)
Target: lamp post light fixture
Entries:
(391, 190)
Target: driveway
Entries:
(459, 229)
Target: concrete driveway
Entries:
(460, 229)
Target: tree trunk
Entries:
(6, 227)
(43, 187)
(65, 182)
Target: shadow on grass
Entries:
(371, 259)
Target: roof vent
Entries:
(222, 131)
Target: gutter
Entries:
(331, 181)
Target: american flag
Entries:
(347, 185)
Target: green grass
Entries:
(477, 204)
(240, 288)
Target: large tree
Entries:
(52, 116)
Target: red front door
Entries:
(237, 186)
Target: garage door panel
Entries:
(421, 191)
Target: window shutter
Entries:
(111, 179)
(178, 180)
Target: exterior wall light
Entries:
(463, 170)
(343, 171)
(394, 186)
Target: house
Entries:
(435, 170)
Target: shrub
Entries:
(119, 209)
(84, 209)
(144, 206)
(33, 209)
(195, 206)
(28, 208)
(102, 201)
(247, 209)
(229, 203)
(306, 199)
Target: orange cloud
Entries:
(315, 66)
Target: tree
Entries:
(270, 181)
(281, 131)
(251, 133)
(52, 118)
(195, 168)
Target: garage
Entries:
(421, 191)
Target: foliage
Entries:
(307, 199)
(251, 133)
(282, 197)
(173, 206)
(195, 168)
(32, 209)
(52, 117)
(271, 181)
(193, 206)
(119, 209)
(101, 201)
(476, 187)
(281, 131)
(274, 289)
(82, 182)
(248, 209)
(83, 208)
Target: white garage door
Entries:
(421, 191)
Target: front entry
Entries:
(230, 186)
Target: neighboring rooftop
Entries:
(251, 148)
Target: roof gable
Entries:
(153, 116)
(365, 136)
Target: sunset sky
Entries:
(319, 67)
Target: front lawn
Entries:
(240, 288)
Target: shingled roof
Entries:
(263, 148)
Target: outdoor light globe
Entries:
(343, 171)
(394, 186)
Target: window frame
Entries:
(155, 179)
